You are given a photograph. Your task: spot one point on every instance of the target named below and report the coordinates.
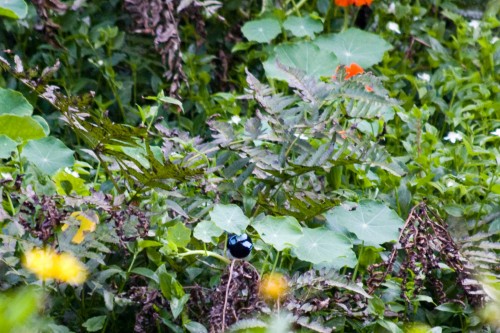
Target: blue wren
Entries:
(239, 246)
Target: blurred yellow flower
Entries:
(88, 222)
(47, 264)
(273, 286)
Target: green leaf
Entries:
(94, 324)
(146, 272)
(20, 128)
(169, 286)
(303, 26)
(40, 120)
(354, 45)
(371, 221)
(177, 305)
(304, 56)
(13, 102)
(195, 327)
(390, 326)
(16, 9)
(322, 246)
(170, 100)
(281, 232)
(229, 218)
(48, 154)
(450, 307)
(206, 231)
(7, 146)
(67, 184)
(262, 31)
(179, 234)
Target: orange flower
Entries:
(343, 3)
(353, 69)
(360, 3)
(368, 88)
(273, 286)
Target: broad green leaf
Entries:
(169, 286)
(48, 154)
(303, 26)
(146, 272)
(179, 234)
(450, 307)
(94, 324)
(206, 231)
(170, 100)
(16, 9)
(43, 123)
(177, 305)
(20, 128)
(13, 102)
(7, 146)
(195, 327)
(281, 232)
(372, 222)
(67, 184)
(262, 31)
(229, 218)
(304, 56)
(322, 246)
(354, 45)
(390, 326)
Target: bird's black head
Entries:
(239, 246)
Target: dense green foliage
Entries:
(136, 135)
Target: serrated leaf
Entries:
(7, 146)
(179, 234)
(229, 218)
(355, 46)
(48, 154)
(304, 56)
(303, 26)
(262, 31)
(206, 231)
(322, 246)
(280, 232)
(372, 222)
(13, 102)
(20, 128)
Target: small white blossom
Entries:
(235, 120)
(70, 172)
(450, 183)
(392, 8)
(393, 26)
(496, 132)
(453, 137)
(424, 77)
(100, 62)
(474, 24)
(494, 40)
(301, 136)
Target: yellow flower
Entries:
(68, 269)
(41, 262)
(273, 286)
(47, 264)
(88, 223)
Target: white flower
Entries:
(474, 24)
(393, 26)
(301, 136)
(450, 183)
(235, 120)
(424, 77)
(100, 62)
(73, 173)
(494, 40)
(453, 137)
(496, 132)
(392, 8)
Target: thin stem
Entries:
(359, 258)
(204, 253)
(296, 7)
(227, 295)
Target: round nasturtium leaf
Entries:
(372, 222)
(280, 232)
(179, 234)
(7, 146)
(355, 46)
(16, 9)
(48, 154)
(13, 102)
(262, 31)
(20, 128)
(323, 246)
(304, 56)
(229, 218)
(303, 26)
(206, 231)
